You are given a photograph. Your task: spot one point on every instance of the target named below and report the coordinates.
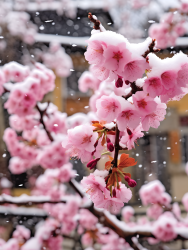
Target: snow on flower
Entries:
(81, 140)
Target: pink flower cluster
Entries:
(167, 78)
(24, 95)
(51, 182)
(171, 26)
(154, 193)
(95, 186)
(24, 156)
(113, 57)
(53, 155)
(88, 81)
(65, 214)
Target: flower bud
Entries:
(132, 183)
(127, 178)
(119, 82)
(114, 193)
(110, 146)
(92, 163)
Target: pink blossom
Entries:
(153, 119)
(164, 228)
(68, 225)
(55, 243)
(168, 79)
(11, 244)
(21, 233)
(18, 165)
(154, 211)
(56, 123)
(144, 104)
(108, 107)
(129, 117)
(87, 219)
(86, 239)
(127, 213)
(130, 137)
(66, 173)
(94, 187)
(151, 192)
(116, 57)
(15, 72)
(123, 193)
(95, 51)
(153, 86)
(88, 81)
(81, 140)
(110, 203)
(23, 123)
(101, 72)
(53, 156)
(182, 77)
(134, 69)
(165, 199)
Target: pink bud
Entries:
(119, 82)
(127, 82)
(127, 178)
(129, 131)
(132, 183)
(110, 147)
(92, 163)
(114, 193)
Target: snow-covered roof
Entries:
(82, 41)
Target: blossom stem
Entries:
(116, 147)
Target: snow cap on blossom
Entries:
(164, 227)
(15, 72)
(81, 140)
(151, 192)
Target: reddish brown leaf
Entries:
(126, 161)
